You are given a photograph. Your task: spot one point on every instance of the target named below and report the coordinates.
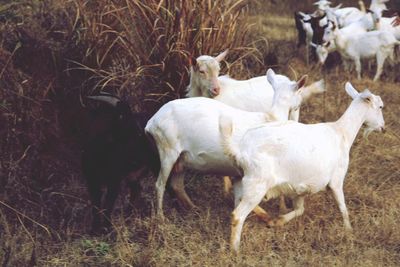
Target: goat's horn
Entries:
(107, 99)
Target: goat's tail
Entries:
(230, 149)
(314, 88)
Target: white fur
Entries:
(373, 44)
(296, 159)
(187, 135)
(385, 24)
(362, 25)
(255, 94)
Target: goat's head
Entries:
(318, 25)
(123, 123)
(330, 33)
(373, 117)
(322, 51)
(287, 94)
(204, 74)
(322, 4)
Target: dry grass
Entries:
(44, 209)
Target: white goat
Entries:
(255, 94)
(378, 44)
(364, 24)
(385, 24)
(187, 135)
(296, 159)
(342, 16)
(378, 6)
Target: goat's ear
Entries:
(366, 95)
(302, 14)
(302, 81)
(337, 7)
(351, 91)
(367, 98)
(271, 76)
(221, 56)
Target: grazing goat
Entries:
(305, 24)
(378, 44)
(187, 136)
(296, 159)
(117, 147)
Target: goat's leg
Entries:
(346, 65)
(298, 203)
(337, 190)
(177, 184)
(357, 63)
(134, 184)
(227, 185)
(380, 61)
(167, 163)
(95, 193)
(253, 191)
(282, 205)
(237, 191)
(111, 196)
(262, 214)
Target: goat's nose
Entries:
(383, 130)
(215, 91)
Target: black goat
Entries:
(117, 147)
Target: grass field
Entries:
(45, 210)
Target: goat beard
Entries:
(367, 132)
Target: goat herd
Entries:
(355, 33)
(246, 129)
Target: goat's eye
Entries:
(381, 107)
(202, 71)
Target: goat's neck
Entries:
(350, 122)
(340, 40)
(193, 89)
(278, 114)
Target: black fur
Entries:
(117, 146)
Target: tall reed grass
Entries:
(145, 47)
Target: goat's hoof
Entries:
(277, 222)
